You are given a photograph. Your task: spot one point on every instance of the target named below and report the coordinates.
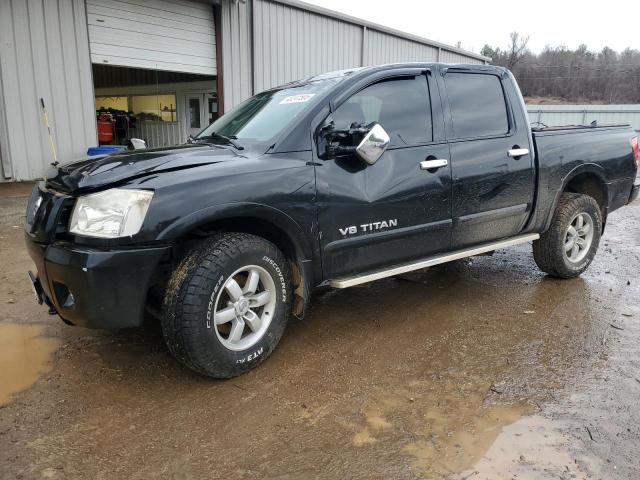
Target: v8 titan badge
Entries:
(369, 227)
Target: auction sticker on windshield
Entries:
(305, 97)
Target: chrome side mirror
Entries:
(373, 145)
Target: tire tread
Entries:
(182, 306)
(548, 250)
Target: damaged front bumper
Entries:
(92, 287)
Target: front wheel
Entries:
(227, 305)
(568, 247)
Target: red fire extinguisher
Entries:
(105, 129)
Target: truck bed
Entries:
(603, 151)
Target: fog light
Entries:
(70, 301)
(64, 296)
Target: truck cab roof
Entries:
(360, 72)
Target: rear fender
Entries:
(591, 168)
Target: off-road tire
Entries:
(191, 339)
(548, 251)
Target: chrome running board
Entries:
(429, 262)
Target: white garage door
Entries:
(175, 35)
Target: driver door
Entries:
(391, 212)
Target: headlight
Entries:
(114, 213)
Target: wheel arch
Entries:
(590, 183)
(256, 219)
(588, 179)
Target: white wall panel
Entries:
(176, 36)
(44, 53)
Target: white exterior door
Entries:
(195, 113)
(175, 36)
(201, 109)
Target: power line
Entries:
(575, 77)
(537, 65)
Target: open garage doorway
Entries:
(163, 108)
(154, 69)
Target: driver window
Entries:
(400, 105)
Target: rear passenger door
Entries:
(492, 167)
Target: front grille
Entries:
(62, 225)
(48, 214)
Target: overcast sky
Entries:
(613, 23)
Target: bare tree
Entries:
(517, 50)
(579, 75)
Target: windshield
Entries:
(262, 117)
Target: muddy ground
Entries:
(485, 368)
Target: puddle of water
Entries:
(452, 428)
(454, 442)
(24, 355)
(532, 447)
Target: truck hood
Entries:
(94, 173)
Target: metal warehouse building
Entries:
(108, 70)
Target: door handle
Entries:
(433, 164)
(518, 152)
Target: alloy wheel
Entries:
(244, 307)
(579, 237)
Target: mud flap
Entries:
(302, 293)
(36, 287)
(38, 292)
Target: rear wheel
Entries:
(227, 305)
(568, 247)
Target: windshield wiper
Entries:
(216, 136)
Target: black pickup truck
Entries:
(340, 179)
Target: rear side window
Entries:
(400, 105)
(477, 105)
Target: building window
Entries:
(158, 108)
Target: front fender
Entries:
(225, 211)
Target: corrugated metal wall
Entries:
(384, 48)
(447, 56)
(236, 51)
(289, 40)
(290, 43)
(44, 53)
(556, 115)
